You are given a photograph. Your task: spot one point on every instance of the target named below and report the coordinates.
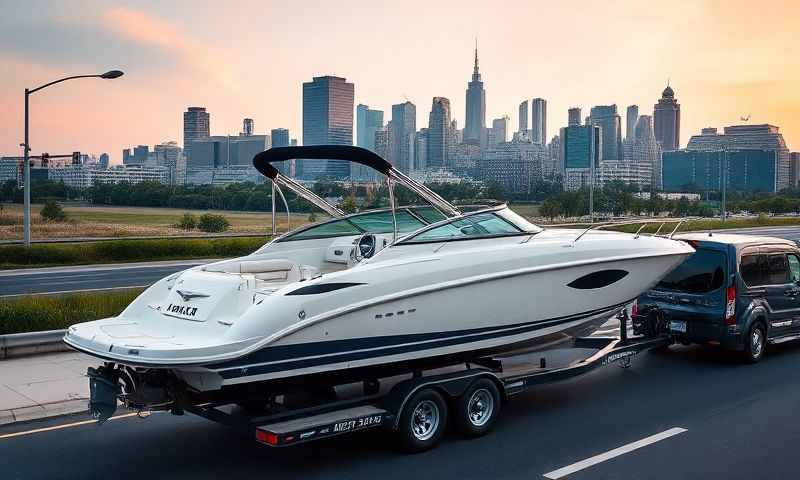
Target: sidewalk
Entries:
(43, 386)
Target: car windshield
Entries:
(473, 226)
(703, 272)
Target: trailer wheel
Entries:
(422, 421)
(478, 408)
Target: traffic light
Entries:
(76, 158)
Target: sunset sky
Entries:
(241, 59)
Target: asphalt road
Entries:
(50, 280)
(740, 421)
(130, 275)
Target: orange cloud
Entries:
(156, 32)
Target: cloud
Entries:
(158, 33)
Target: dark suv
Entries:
(738, 291)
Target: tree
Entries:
(52, 211)
(551, 208)
(348, 205)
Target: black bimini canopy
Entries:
(264, 160)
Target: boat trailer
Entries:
(417, 407)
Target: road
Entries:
(63, 279)
(740, 421)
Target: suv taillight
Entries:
(730, 305)
(635, 308)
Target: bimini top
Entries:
(264, 160)
(264, 164)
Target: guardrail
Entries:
(19, 344)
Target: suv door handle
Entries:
(792, 292)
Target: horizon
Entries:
(249, 60)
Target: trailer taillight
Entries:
(730, 305)
(266, 437)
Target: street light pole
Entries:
(26, 222)
(26, 166)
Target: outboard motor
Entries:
(104, 388)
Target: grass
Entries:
(109, 221)
(114, 251)
(35, 313)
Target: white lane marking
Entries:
(589, 462)
(59, 427)
(73, 291)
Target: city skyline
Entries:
(173, 59)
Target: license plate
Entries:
(677, 326)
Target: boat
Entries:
(391, 289)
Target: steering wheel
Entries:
(365, 247)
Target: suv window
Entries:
(703, 272)
(794, 268)
(750, 268)
(777, 269)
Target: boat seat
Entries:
(271, 270)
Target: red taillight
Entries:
(266, 437)
(635, 308)
(730, 305)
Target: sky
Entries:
(240, 58)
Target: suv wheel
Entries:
(755, 343)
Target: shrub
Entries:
(211, 223)
(52, 211)
(34, 313)
(187, 222)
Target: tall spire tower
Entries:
(476, 106)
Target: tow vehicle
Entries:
(418, 406)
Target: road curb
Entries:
(46, 410)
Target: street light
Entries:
(111, 74)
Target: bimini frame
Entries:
(264, 164)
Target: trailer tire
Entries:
(422, 421)
(477, 408)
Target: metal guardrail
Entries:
(19, 344)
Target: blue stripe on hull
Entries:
(378, 346)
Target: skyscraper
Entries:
(580, 148)
(367, 122)
(327, 120)
(539, 121)
(476, 106)
(573, 116)
(103, 160)
(748, 137)
(196, 125)
(247, 127)
(401, 135)
(438, 133)
(606, 117)
(523, 117)
(280, 137)
(667, 119)
(499, 130)
(631, 119)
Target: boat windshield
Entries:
(369, 222)
(499, 223)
